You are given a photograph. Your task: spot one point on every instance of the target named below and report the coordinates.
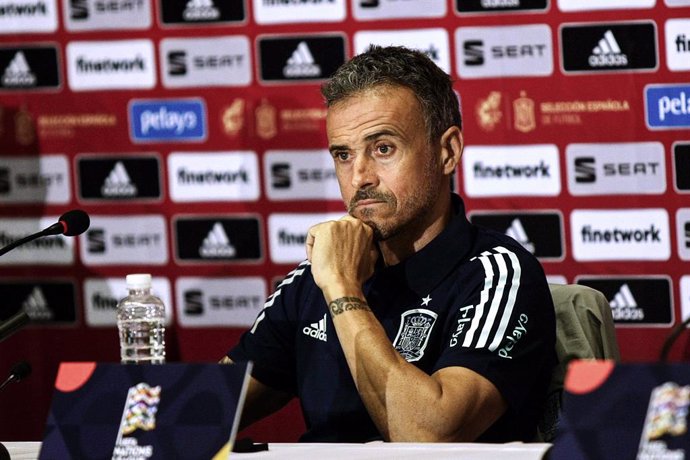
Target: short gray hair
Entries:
(399, 66)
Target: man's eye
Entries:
(384, 149)
(342, 156)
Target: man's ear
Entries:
(451, 149)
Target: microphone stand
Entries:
(26, 239)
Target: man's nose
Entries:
(364, 173)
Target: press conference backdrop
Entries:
(192, 132)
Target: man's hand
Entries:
(342, 254)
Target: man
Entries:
(407, 323)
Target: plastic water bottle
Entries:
(141, 322)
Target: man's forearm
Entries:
(398, 396)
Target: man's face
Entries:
(389, 176)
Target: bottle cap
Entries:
(139, 281)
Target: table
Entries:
(369, 451)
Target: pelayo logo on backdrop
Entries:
(170, 120)
(667, 106)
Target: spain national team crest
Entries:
(413, 334)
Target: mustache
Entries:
(368, 194)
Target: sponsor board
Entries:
(612, 47)
(677, 33)
(677, 3)
(28, 16)
(83, 15)
(614, 234)
(289, 12)
(29, 68)
(116, 64)
(685, 297)
(104, 177)
(626, 168)
(167, 120)
(101, 296)
(48, 250)
(199, 62)
(556, 279)
(681, 166)
(373, 10)
(213, 176)
(683, 233)
(211, 12)
(667, 106)
(433, 42)
(44, 179)
(488, 6)
(218, 239)
(219, 302)
(287, 234)
(635, 301)
(510, 170)
(540, 232)
(46, 301)
(299, 58)
(591, 5)
(504, 51)
(300, 174)
(125, 240)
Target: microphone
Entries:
(71, 223)
(13, 324)
(19, 372)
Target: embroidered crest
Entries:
(413, 334)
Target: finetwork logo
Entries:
(667, 106)
(541, 233)
(201, 11)
(233, 302)
(101, 296)
(504, 51)
(609, 47)
(677, 44)
(613, 234)
(635, 301)
(591, 5)
(28, 16)
(287, 234)
(214, 176)
(317, 330)
(292, 11)
(219, 239)
(167, 120)
(529, 170)
(217, 244)
(305, 58)
(117, 64)
(29, 68)
(50, 250)
(616, 168)
(119, 178)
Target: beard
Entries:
(404, 215)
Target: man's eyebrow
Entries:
(371, 137)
